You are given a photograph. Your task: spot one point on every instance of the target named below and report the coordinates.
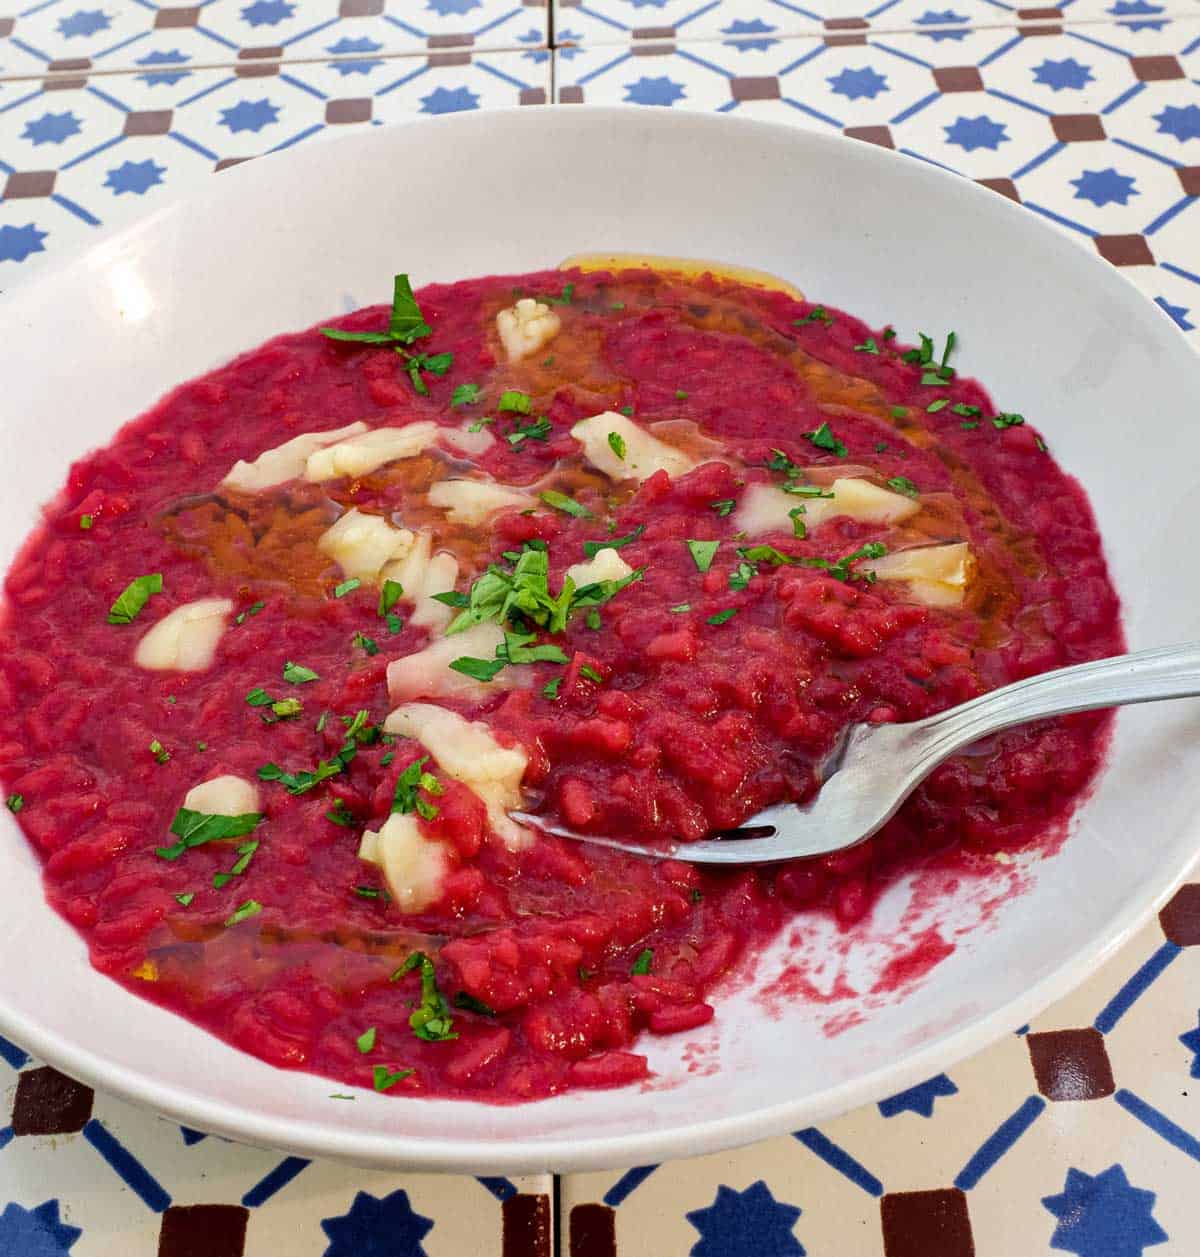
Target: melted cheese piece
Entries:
(423, 574)
(467, 751)
(285, 462)
(526, 327)
(464, 441)
(470, 502)
(644, 454)
(414, 867)
(765, 508)
(607, 565)
(427, 672)
(186, 639)
(223, 796)
(936, 575)
(362, 544)
(362, 454)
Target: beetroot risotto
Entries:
(624, 549)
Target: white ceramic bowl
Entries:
(1052, 330)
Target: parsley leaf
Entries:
(369, 644)
(480, 669)
(840, 569)
(405, 798)
(194, 829)
(799, 528)
(346, 587)
(722, 617)
(160, 752)
(386, 1079)
(366, 1041)
(967, 412)
(723, 507)
(538, 430)
(185, 899)
(568, 293)
(550, 689)
(298, 674)
(515, 401)
(999, 421)
(389, 595)
(568, 505)
(641, 965)
(246, 853)
(465, 1000)
(590, 674)
(593, 548)
(14, 803)
(824, 439)
(466, 395)
(258, 697)
(867, 347)
(134, 597)
(680, 608)
(940, 404)
(817, 314)
(252, 610)
(703, 553)
(902, 484)
(616, 443)
(431, 1020)
(251, 908)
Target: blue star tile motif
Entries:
(346, 45)
(449, 100)
(1062, 75)
(163, 78)
(16, 244)
(746, 1224)
(84, 22)
(377, 1228)
(250, 115)
(35, 1232)
(135, 176)
(1191, 1040)
(1104, 187)
(741, 27)
(932, 17)
(267, 12)
(1138, 8)
(972, 133)
(1181, 121)
(51, 128)
(1103, 1215)
(919, 1099)
(855, 84)
(535, 36)
(656, 91)
(447, 8)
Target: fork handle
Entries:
(1143, 677)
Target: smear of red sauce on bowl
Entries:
(697, 718)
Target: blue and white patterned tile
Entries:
(85, 158)
(121, 34)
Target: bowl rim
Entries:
(325, 1138)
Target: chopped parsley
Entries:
(431, 1020)
(251, 908)
(722, 617)
(284, 709)
(14, 803)
(568, 505)
(407, 324)
(246, 853)
(515, 402)
(394, 623)
(568, 293)
(723, 507)
(965, 411)
(480, 424)
(405, 797)
(366, 1041)
(680, 608)
(358, 731)
(86, 521)
(538, 430)
(899, 412)
(806, 490)
(479, 669)
(134, 597)
(969, 425)
(371, 892)
(940, 404)
(933, 372)
(841, 569)
(346, 587)
(340, 814)
(185, 899)
(902, 484)
(867, 347)
(626, 410)
(703, 553)
(1005, 421)
(742, 575)
(616, 443)
(799, 528)
(594, 621)
(251, 610)
(472, 1005)
(194, 829)
(550, 689)
(452, 598)
(681, 395)
(593, 548)
(386, 1078)
(466, 395)
(389, 595)
(298, 674)
(641, 966)
(824, 439)
(817, 314)
(369, 644)
(589, 673)
(160, 752)
(258, 697)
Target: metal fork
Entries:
(876, 767)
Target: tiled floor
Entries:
(1079, 1134)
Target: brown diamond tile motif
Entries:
(1034, 15)
(1180, 919)
(846, 24)
(1071, 1064)
(1005, 187)
(1129, 250)
(50, 1103)
(148, 122)
(654, 32)
(533, 96)
(257, 70)
(926, 1224)
(6, 27)
(843, 41)
(360, 8)
(267, 52)
(23, 183)
(226, 162)
(71, 63)
(1189, 176)
(1072, 128)
(173, 19)
(525, 1226)
(338, 112)
(592, 1232)
(958, 78)
(451, 41)
(873, 135)
(1156, 69)
(764, 88)
(652, 50)
(203, 1231)
(448, 58)
(570, 95)
(1039, 30)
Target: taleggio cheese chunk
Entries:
(526, 327)
(427, 672)
(422, 574)
(470, 502)
(467, 751)
(186, 639)
(464, 441)
(362, 454)
(285, 462)
(607, 565)
(362, 544)
(936, 575)
(765, 508)
(644, 454)
(223, 796)
(414, 867)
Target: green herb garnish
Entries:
(298, 674)
(593, 548)
(251, 908)
(722, 617)
(252, 610)
(824, 439)
(703, 553)
(160, 752)
(246, 853)
(134, 597)
(616, 443)
(902, 484)
(386, 1078)
(1007, 421)
(185, 899)
(841, 569)
(867, 347)
(465, 1000)
(369, 644)
(723, 507)
(680, 608)
(431, 1020)
(340, 814)
(86, 521)
(564, 299)
(568, 505)
(366, 1041)
(641, 966)
(479, 669)
(406, 797)
(194, 829)
(14, 803)
(466, 395)
(589, 673)
(799, 528)
(538, 430)
(817, 314)
(346, 587)
(550, 689)
(940, 404)
(515, 402)
(389, 595)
